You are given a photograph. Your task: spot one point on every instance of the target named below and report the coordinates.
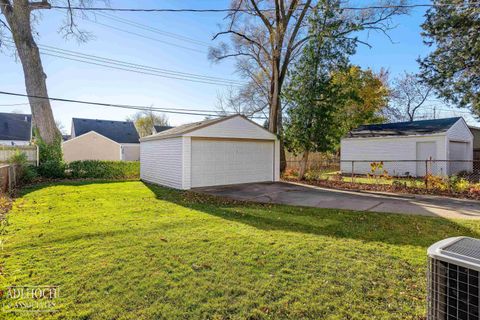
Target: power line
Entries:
(133, 67)
(123, 106)
(153, 29)
(230, 10)
(14, 104)
(146, 37)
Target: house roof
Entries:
(161, 128)
(118, 131)
(403, 128)
(14, 126)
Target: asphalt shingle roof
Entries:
(162, 128)
(404, 128)
(14, 126)
(119, 131)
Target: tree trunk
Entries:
(18, 18)
(303, 165)
(274, 97)
(283, 156)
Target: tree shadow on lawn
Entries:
(398, 229)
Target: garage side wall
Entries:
(387, 148)
(162, 162)
(131, 152)
(459, 147)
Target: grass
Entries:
(126, 250)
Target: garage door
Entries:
(220, 162)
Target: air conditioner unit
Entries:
(453, 283)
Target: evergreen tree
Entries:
(452, 27)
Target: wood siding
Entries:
(387, 148)
(162, 162)
(236, 127)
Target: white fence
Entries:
(6, 152)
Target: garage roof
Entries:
(118, 131)
(190, 127)
(404, 128)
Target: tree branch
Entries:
(39, 5)
(5, 6)
(261, 15)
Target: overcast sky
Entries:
(77, 80)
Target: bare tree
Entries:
(268, 35)
(145, 120)
(247, 101)
(408, 96)
(19, 15)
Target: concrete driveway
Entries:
(310, 196)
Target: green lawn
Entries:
(126, 250)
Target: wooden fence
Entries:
(6, 152)
(316, 161)
(8, 178)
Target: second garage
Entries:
(222, 151)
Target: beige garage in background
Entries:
(102, 140)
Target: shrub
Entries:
(52, 169)
(436, 182)
(26, 173)
(475, 189)
(458, 184)
(96, 169)
(291, 173)
(50, 156)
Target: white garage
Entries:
(404, 147)
(222, 151)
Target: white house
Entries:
(15, 129)
(222, 151)
(93, 139)
(443, 140)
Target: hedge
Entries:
(96, 169)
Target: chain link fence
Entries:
(442, 174)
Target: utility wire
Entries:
(135, 71)
(133, 67)
(146, 37)
(14, 104)
(124, 106)
(230, 10)
(132, 23)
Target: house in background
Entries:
(158, 129)
(476, 143)
(93, 139)
(228, 150)
(439, 139)
(15, 129)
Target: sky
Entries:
(77, 80)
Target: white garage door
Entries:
(220, 162)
